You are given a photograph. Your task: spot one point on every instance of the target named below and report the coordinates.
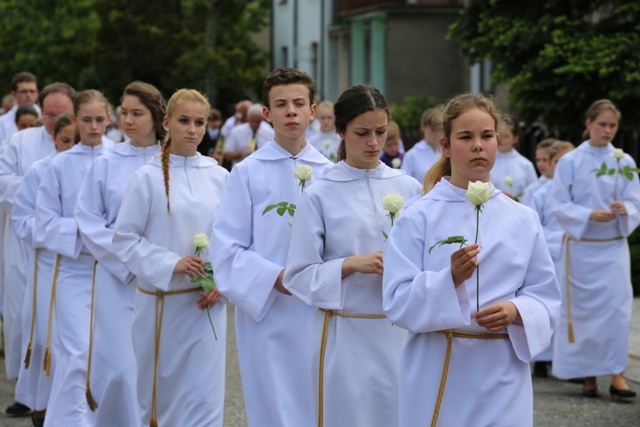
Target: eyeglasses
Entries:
(51, 117)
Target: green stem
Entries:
(214, 329)
(477, 268)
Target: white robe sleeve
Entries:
(54, 231)
(415, 299)
(244, 276)
(573, 218)
(148, 261)
(10, 175)
(23, 213)
(315, 281)
(538, 302)
(92, 222)
(631, 197)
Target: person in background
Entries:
(112, 371)
(114, 132)
(597, 210)
(553, 232)
(248, 137)
(391, 155)
(326, 139)
(26, 116)
(23, 149)
(7, 102)
(239, 117)
(34, 386)
(512, 172)
(250, 252)
(542, 164)
(471, 336)
(425, 152)
(24, 89)
(335, 264)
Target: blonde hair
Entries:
(454, 109)
(598, 107)
(87, 96)
(182, 95)
(393, 131)
(559, 147)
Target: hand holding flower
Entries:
(618, 208)
(463, 263)
(209, 299)
(498, 316)
(191, 266)
(601, 215)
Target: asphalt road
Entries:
(557, 403)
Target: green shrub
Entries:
(634, 247)
(408, 115)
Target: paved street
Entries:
(557, 403)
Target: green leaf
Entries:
(386, 236)
(449, 240)
(291, 209)
(281, 210)
(268, 208)
(207, 283)
(611, 171)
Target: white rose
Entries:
(200, 241)
(393, 202)
(303, 172)
(618, 154)
(396, 163)
(508, 180)
(327, 143)
(478, 192)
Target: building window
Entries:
(285, 56)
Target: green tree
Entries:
(557, 56)
(106, 44)
(54, 40)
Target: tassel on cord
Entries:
(90, 400)
(46, 365)
(153, 422)
(27, 357)
(570, 326)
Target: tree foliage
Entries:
(105, 44)
(558, 56)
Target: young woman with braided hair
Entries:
(180, 365)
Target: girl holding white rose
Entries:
(112, 376)
(596, 199)
(180, 364)
(465, 360)
(335, 264)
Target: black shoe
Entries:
(37, 421)
(576, 380)
(540, 370)
(591, 393)
(620, 393)
(17, 409)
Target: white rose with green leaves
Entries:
(508, 180)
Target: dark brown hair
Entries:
(22, 77)
(287, 76)
(151, 98)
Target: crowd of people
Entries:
(353, 266)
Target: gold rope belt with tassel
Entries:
(567, 277)
(323, 347)
(451, 334)
(153, 420)
(46, 363)
(27, 357)
(93, 405)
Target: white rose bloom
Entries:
(618, 153)
(478, 192)
(200, 240)
(303, 172)
(393, 202)
(327, 143)
(507, 180)
(396, 163)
